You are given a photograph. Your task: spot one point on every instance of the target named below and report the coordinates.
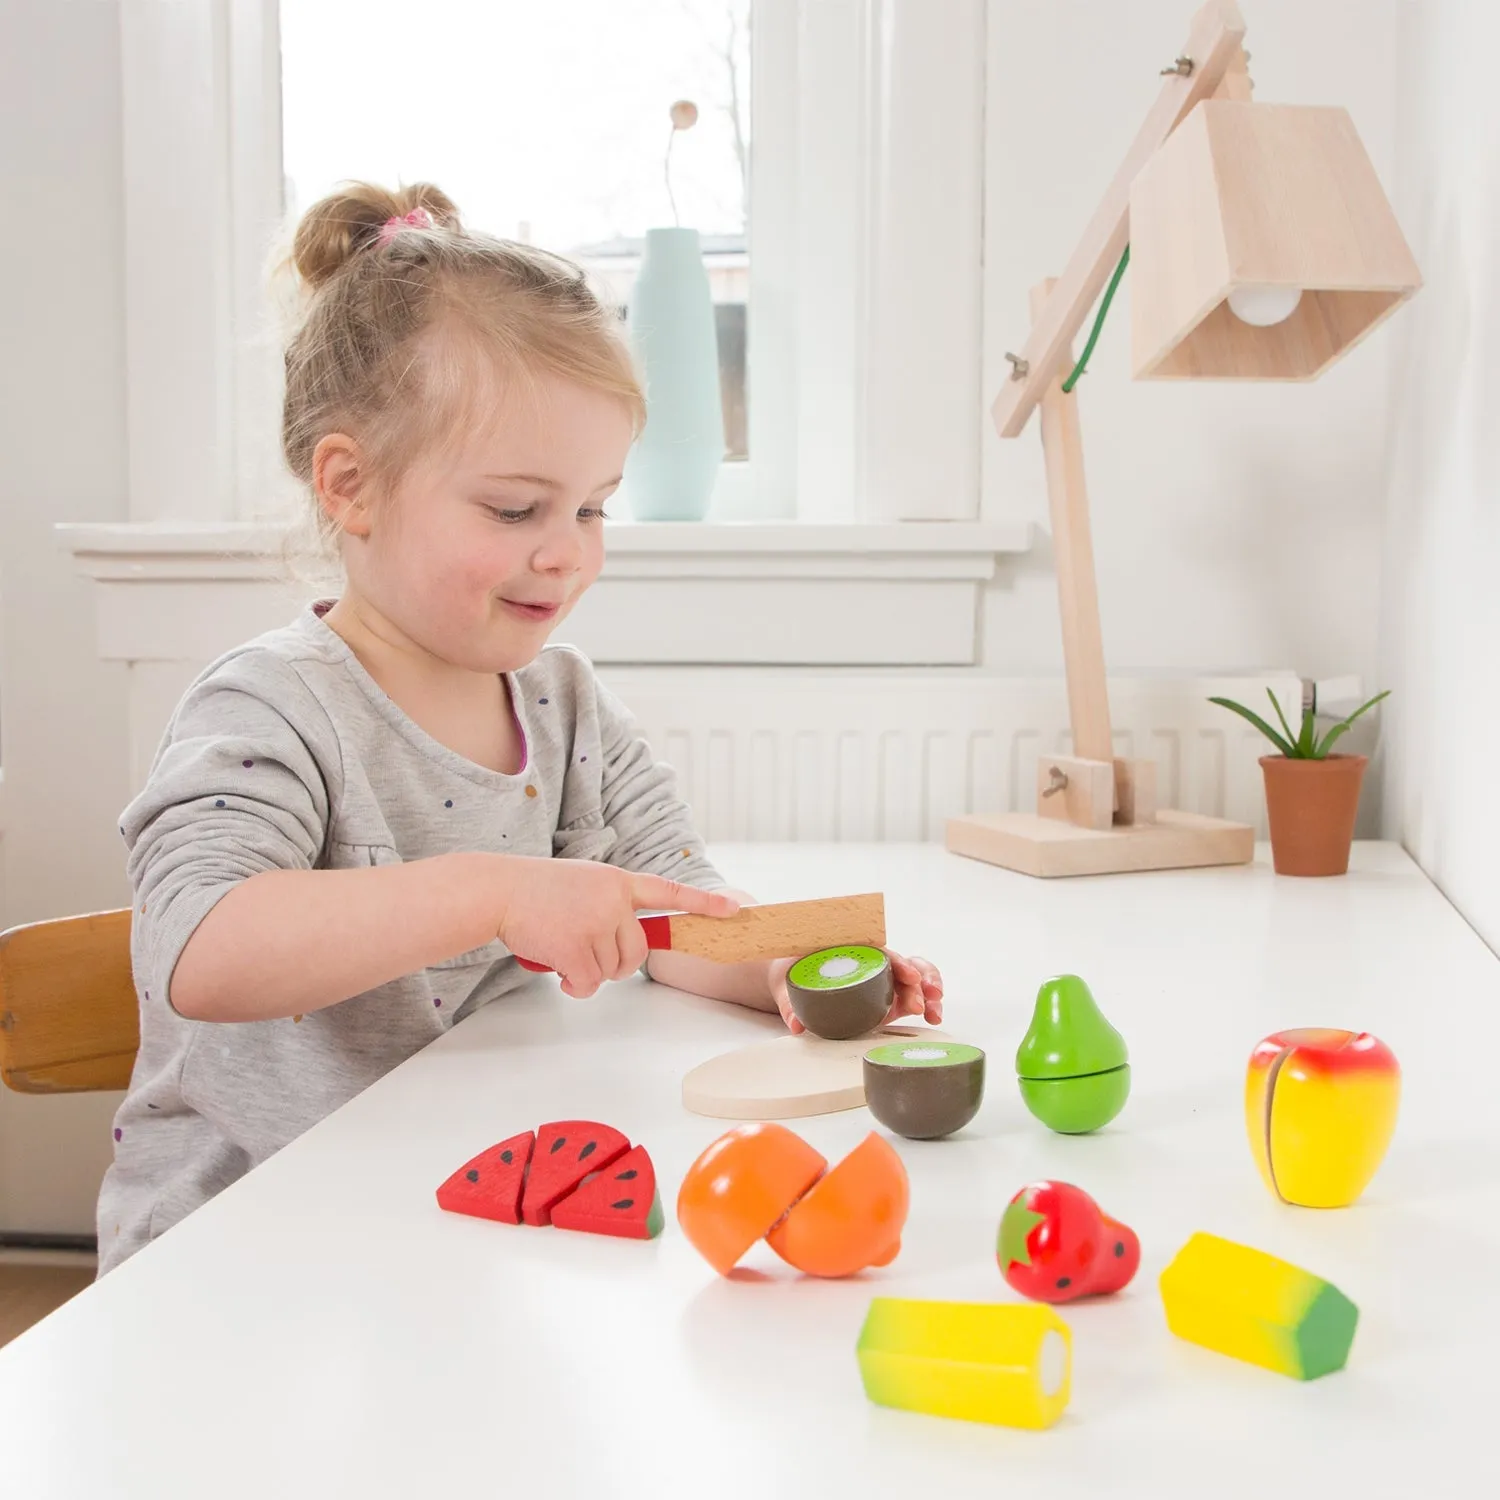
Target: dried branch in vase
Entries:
(684, 115)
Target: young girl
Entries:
(353, 822)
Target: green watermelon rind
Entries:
(653, 1222)
(655, 1219)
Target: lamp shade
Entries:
(1242, 208)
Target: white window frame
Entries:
(865, 317)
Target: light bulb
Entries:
(1264, 305)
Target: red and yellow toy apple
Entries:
(1320, 1109)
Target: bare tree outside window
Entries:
(546, 123)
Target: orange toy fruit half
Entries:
(740, 1186)
(851, 1218)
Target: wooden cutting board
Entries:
(789, 1076)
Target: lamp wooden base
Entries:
(1049, 847)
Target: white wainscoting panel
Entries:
(779, 750)
(843, 755)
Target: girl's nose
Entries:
(561, 551)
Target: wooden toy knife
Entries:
(786, 929)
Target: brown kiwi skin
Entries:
(924, 1104)
(837, 1015)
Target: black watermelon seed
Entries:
(472, 1174)
(505, 1156)
(587, 1150)
(559, 1143)
(629, 1176)
(1119, 1248)
(1063, 1281)
(624, 1203)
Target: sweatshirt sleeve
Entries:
(236, 789)
(653, 826)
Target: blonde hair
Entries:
(392, 319)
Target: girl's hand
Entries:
(918, 990)
(579, 917)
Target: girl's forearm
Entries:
(739, 984)
(287, 942)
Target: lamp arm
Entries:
(1213, 46)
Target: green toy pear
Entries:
(1073, 1066)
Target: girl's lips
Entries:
(531, 611)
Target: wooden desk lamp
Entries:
(1262, 248)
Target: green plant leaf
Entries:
(1330, 738)
(1307, 740)
(1277, 706)
(1343, 725)
(1245, 713)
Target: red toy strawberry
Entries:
(1056, 1244)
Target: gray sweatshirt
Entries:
(285, 754)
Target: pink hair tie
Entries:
(418, 218)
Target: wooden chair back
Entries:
(69, 1022)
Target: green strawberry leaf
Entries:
(1015, 1227)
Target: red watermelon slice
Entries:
(621, 1200)
(566, 1152)
(490, 1186)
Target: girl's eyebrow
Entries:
(548, 484)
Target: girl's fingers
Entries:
(780, 968)
(918, 989)
(906, 1002)
(784, 1005)
(915, 970)
(630, 939)
(607, 956)
(583, 977)
(787, 1014)
(657, 893)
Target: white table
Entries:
(322, 1329)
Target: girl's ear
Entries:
(341, 483)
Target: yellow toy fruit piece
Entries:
(1249, 1305)
(1008, 1364)
(1320, 1110)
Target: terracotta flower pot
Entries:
(1312, 805)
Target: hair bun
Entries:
(349, 219)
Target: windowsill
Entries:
(239, 549)
(725, 593)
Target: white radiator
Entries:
(776, 753)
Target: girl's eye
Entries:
(587, 514)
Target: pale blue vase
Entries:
(672, 469)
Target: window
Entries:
(545, 123)
(861, 244)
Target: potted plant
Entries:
(1312, 795)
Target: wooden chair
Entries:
(69, 1022)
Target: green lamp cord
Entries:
(1088, 348)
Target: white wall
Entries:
(1440, 621)
(62, 417)
(1236, 526)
